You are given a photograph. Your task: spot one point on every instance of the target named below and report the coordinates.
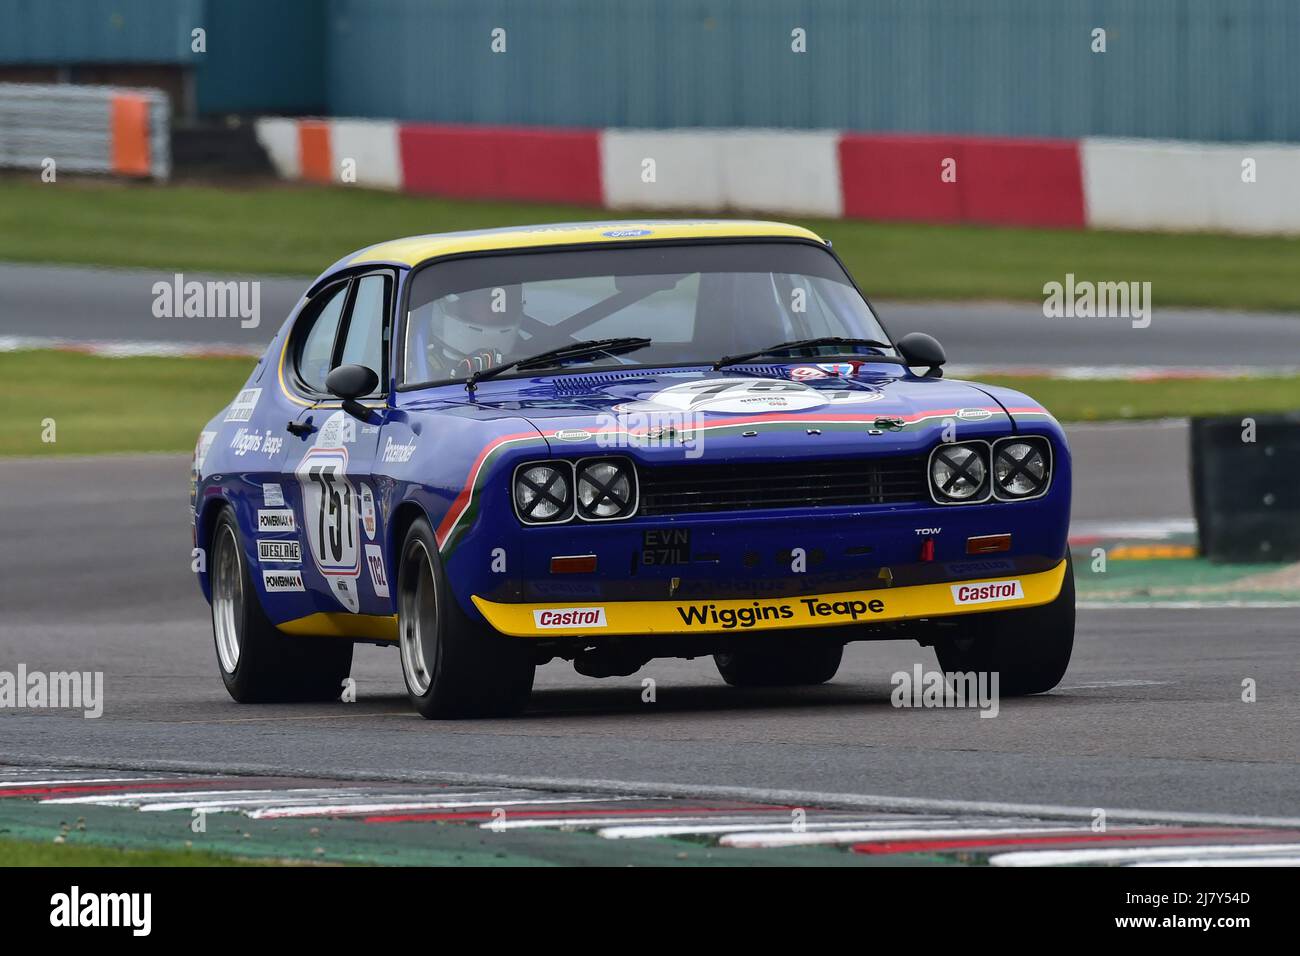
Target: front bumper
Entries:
(873, 606)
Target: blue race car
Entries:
(614, 442)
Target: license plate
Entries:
(665, 546)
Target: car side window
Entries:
(364, 341)
(315, 354)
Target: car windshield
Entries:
(696, 302)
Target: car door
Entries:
(327, 472)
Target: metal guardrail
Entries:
(86, 129)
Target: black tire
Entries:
(269, 667)
(453, 667)
(1029, 649)
(781, 662)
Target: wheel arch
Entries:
(404, 515)
(204, 523)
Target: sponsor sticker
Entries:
(395, 453)
(330, 508)
(625, 233)
(345, 589)
(283, 552)
(572, 434)
(241, 409)
(275, 581)
(987, 592)
(375, 562)
(339, 429)
(244, 441)
(815, 610)
(278, 519)
(838, 368)
(368, 512)
(801, 372)
(572, 618)
(272, 496)
(201, 450)
(749, 396)
(974, 414)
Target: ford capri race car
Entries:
(613, 442)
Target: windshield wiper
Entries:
(565, 353)
(797, 344)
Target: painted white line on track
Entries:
(130, 348)
(586, 822)
(127, 798)
(1185, 605)
(633, 830)
(717, 822)
(827, 800)
(754, 839)
(19, 784)
(1124, 854)
(1098, 685)
(335, 799)
(1224, 861)
(280, 813)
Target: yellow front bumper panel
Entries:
(773, 614)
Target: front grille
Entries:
(684, 489)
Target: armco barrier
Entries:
(543, 165)
(85, 129)
(1151, 184)
(995, 181)
(1070, 184)
(786, 171)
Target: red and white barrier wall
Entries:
(1089, 183)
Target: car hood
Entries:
(772, 412)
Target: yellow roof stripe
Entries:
(416, 249)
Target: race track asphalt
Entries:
(95, 304)
(94, 575)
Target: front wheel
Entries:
(258, 664)
(1028, 649)
(453, 667)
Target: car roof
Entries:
(417, 249)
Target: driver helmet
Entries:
(480, 326)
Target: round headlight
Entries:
(542, 493)
(1020, 468)
(606, 488)
(958, 472)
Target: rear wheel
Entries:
(781, 662)
(453, 666)
(1028, 649)
(258, 664)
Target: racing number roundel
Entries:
(330, 517)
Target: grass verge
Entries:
(159, 404)
(299, 230)
(110, 405)
(32, 853)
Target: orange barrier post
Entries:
(314, 150)
(129, 142)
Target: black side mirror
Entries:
(918, 349)
(350, 382)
